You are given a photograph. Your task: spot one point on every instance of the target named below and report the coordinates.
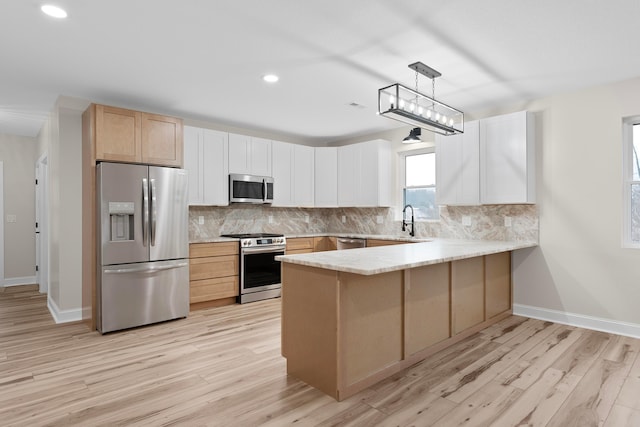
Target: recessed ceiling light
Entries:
(270, 78)
(54, 11)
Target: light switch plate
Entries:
(200, 220)
(344, 219)
(466, 221)
(270, 219)
(306, 218)
(11, 218)
(507, 221)
(379, 219)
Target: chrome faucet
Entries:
(412, 233)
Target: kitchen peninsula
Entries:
(352, 318)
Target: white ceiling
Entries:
(203, 59)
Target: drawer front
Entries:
(213, 289)
(298, 251)
(212, 267)
(379, 242)
(201, 250)
(300, 243)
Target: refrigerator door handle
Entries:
(145, 212)
(145, 268)
(154, 211)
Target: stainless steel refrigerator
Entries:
(143, 245)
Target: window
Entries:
(631, 132)
(419, 189)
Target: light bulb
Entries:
(420, 110)
(428, 114)
(451, 122)
(392, 101)
(444, 119)
(412, 107)
(401, 103)
(437, 117)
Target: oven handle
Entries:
(262, 250)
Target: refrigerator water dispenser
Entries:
(121, 215)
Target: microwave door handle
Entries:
(154, 212)
(264, 190)
(145, 212)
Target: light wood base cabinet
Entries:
(213, 274)
(343, 332)
(299, 245)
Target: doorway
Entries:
(1, 224)
(42, 223)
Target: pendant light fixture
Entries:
(409, 106)
(414, 136)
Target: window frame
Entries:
(627, 180)
(402, 156)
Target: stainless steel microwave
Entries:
(250, 189)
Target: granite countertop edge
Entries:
(384, 259)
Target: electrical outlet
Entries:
(466, 221)
(306, 218)
(200, 220)
(270, 219)
(11, 218)
(507, 221)
(344, 219)
(379, 219)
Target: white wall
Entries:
(61, 138)
(18, 153)
(580, 273)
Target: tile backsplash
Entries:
(487, 222)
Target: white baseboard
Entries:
(17, 281)
(579, 320)
(63, 316)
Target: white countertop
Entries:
(382, 259)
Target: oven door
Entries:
(259, 270)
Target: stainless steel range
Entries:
(259, 271)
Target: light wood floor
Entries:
(222, 367)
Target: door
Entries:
(139, 294)
(121, 196)
(169, 214)
(42, 233)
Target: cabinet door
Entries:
(497, 273)
(506, 159)
(239, 157)
(303, 176)
(368, 193)
(162, 142)
(427, 301)
(118, 134)
(215, 167)
(348, 175)
(282, 157)
(326, 177)
(458, 167)
(260, 157)
(193, 163)
(467, 293)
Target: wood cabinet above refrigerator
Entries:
(130, 136)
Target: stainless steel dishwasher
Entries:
(348, 243)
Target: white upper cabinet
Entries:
(458, 167)
(249, 155)
(303, 175)
(282, 159)
(492, 162)
(205, 158)
(365, 174)
(293, 172)
(326, 177)
(507, 159)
